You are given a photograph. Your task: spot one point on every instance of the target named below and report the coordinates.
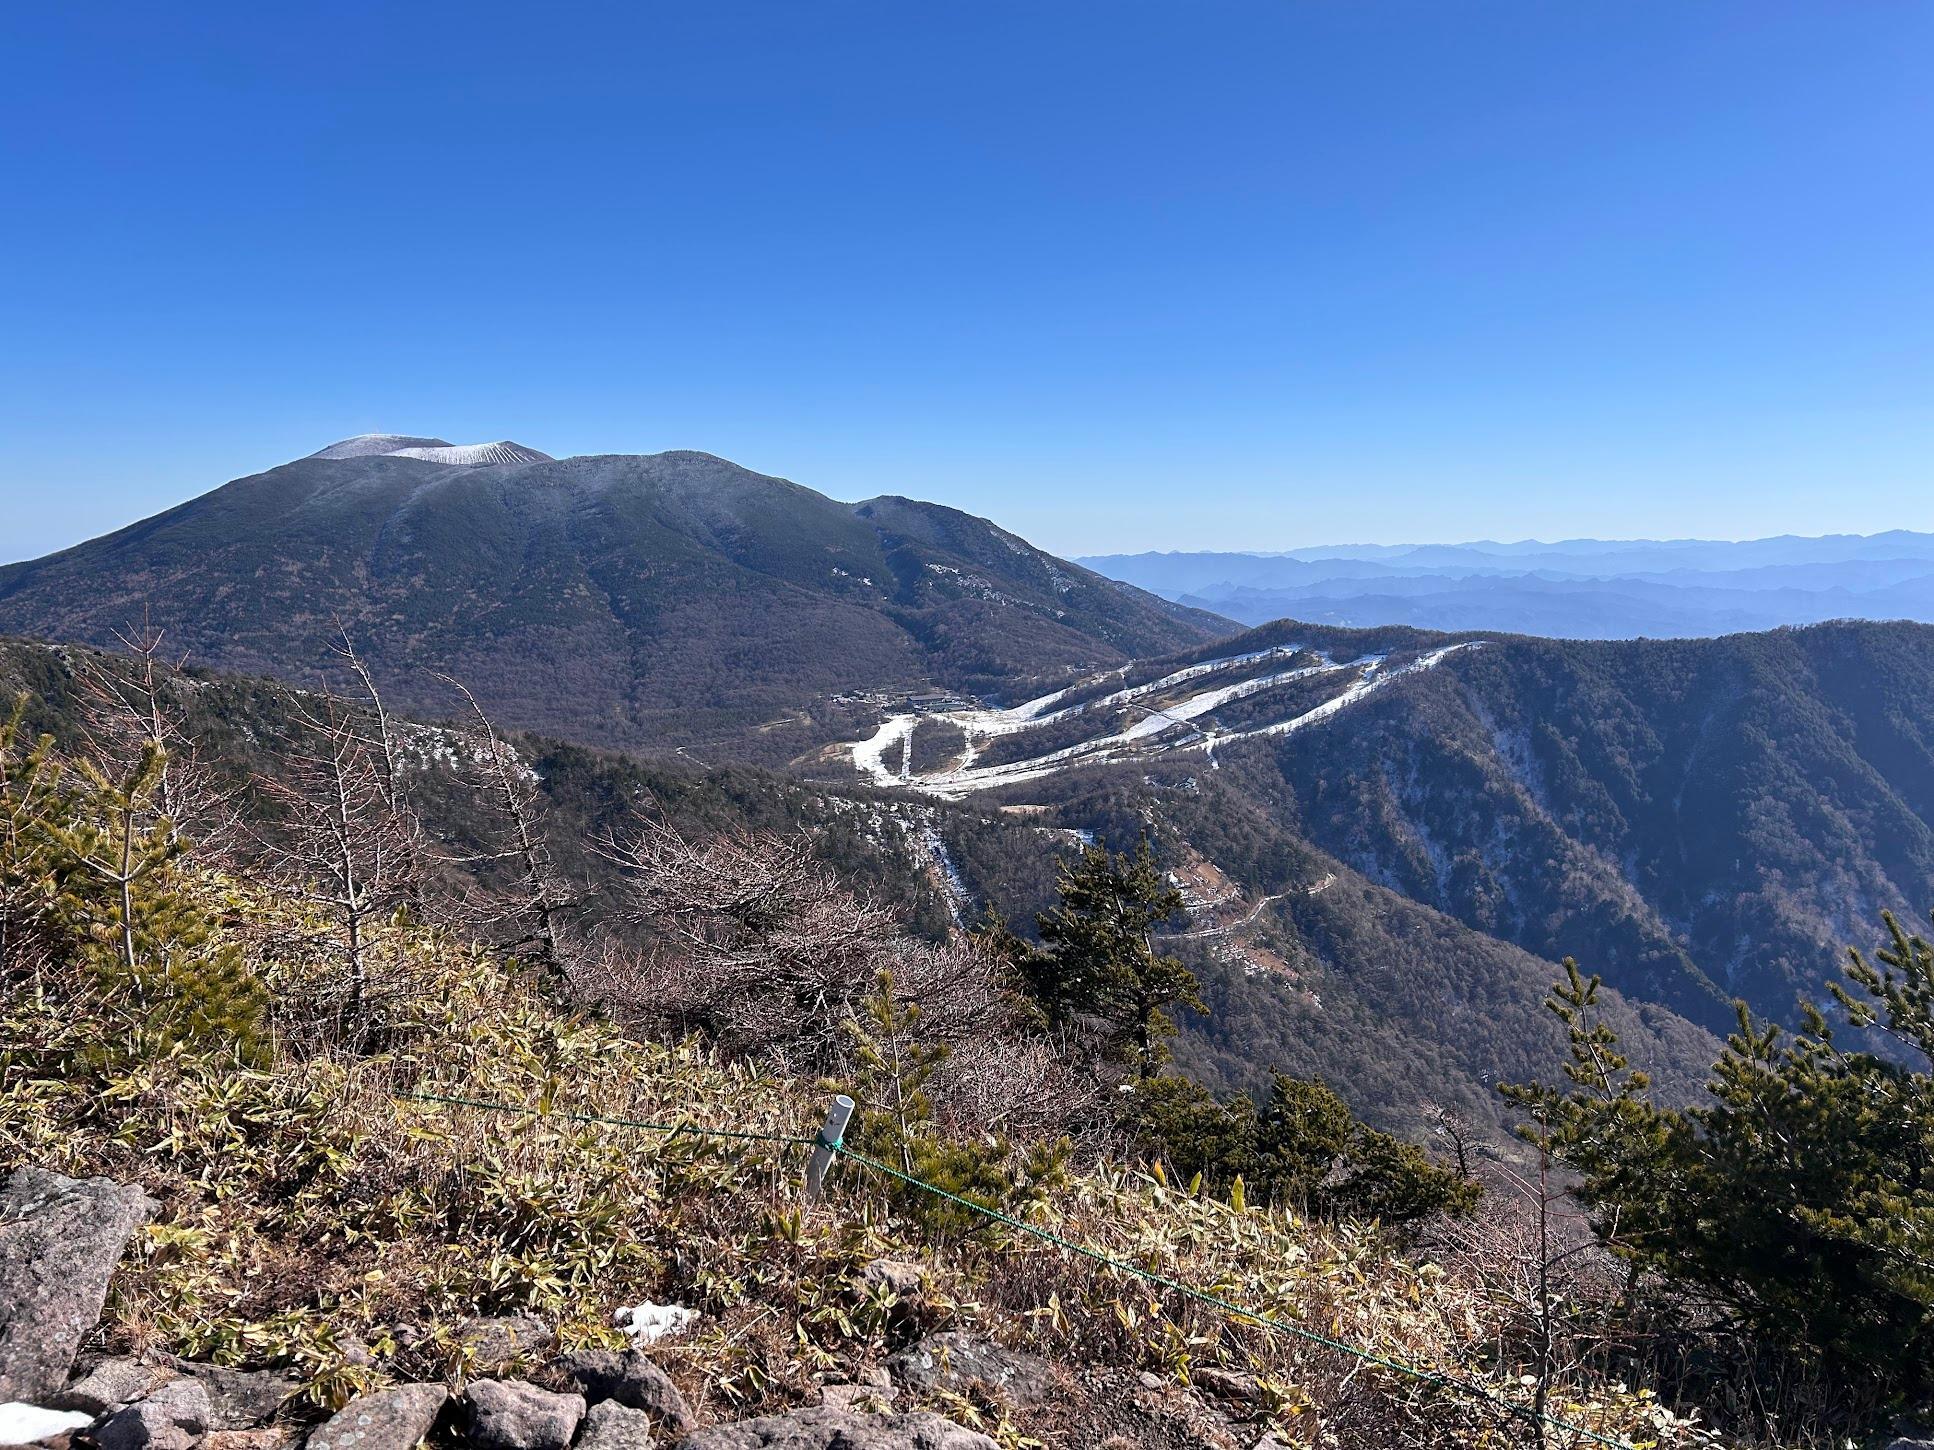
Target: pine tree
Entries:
(115, 867)
(898, 1125)
(898, 1067)
(1098, 974)
(1301, 1147)
(1801, 1197)
(110, 851)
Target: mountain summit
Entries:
(667, 599)
(432, 450)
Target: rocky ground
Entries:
(61, 1239)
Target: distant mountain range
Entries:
(1387, 836)
(671, 599)
(1577, 589)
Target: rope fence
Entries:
(830, 1143)
(671, 1129)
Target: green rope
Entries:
(674, 1129)
(1215, 1301)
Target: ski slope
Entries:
(1173, 714)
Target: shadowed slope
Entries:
(666, 599)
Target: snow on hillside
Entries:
(1173, 713)
(471, 454)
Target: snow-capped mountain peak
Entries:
(432, 450)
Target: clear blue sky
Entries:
(1120, 275)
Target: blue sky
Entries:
(1119, 275)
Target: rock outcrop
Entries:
(60, 1239)
(955, 1361)
(826, 1428)
(174, 1417)
(238, 1399)
(632, 1380)
(388, 1420)
(896, 1276)
(513, 1415)
(111, 1384)
(609, 1425)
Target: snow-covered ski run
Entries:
(1168, 715)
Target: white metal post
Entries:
(831, 1135)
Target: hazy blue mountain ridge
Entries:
(1580, 589)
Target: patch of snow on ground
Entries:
(869, 755)
(1374, 677)
(1157, 721)
(22, 1424)
(960, 901)
(648, 1323)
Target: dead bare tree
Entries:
(386, 749)
(346, 845)
(539, 901)
(973, 1090)
(1531, 1251)
(127, 709)
(29, 782)
(754, 942)
(1459, 1135)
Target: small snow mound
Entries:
(22, 1424)
(649, 1323)
(373, 445)
(469, 455)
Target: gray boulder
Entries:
(174, 1417)
(239, 1399)
(492, 1345)
(954, 1362)
(631, 1379)
(827, 1428)
(60, 1239)
(111, 1384)
(513, 1415)
(387, 1420)
(609, 1425)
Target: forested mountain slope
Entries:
(640, 601)
(1700, 820)
(1307, 966)
(1696, 818)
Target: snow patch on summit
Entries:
(431, 450)
(375, 445)
(469, 455)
